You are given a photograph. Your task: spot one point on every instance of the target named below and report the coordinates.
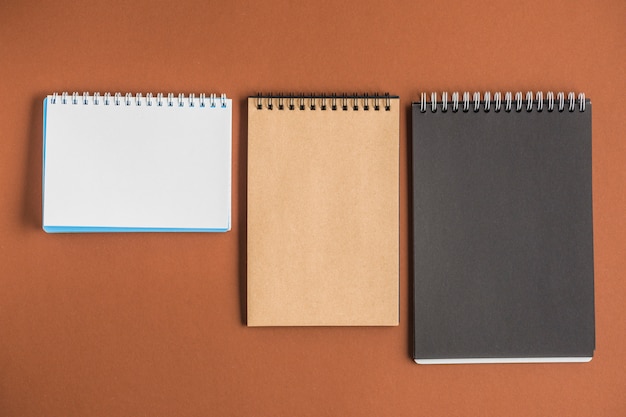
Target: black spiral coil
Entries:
(332, 102)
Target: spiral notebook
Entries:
(134, 163)
(323, 204)
(502, 229)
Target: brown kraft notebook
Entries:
(323, 204)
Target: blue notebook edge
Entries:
(43, 165)
(89, 229)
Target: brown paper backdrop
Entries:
(151, 324)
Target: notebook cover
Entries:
(502, 234)
(136, 164)
(323, 206)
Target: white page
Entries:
(133, 166)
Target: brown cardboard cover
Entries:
(323, 216)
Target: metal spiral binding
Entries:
(539, 101)
(127, 99)
(476, 100)
(531, 101)
(487, 101)
(518, 100)
(323, 102)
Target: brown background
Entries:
(151, 324)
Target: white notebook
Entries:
(133, 163)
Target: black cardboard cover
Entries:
(502, 234)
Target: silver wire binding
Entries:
(116, 99)
(581, 101)
(530, 101)
(550, 97)
(354, 101)
(539, 101)
(497, 98)
(518, 101)
(508, 99)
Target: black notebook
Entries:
(502, 228)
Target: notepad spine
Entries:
(518, 102)
(333, 102)
(138, 99)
